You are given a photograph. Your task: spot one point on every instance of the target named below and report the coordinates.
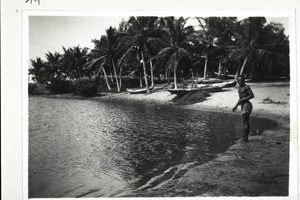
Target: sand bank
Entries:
(267, 95)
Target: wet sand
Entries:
(257, 168)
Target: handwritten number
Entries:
(34, 1)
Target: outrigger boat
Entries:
(183, 91)
(225, 84)
(203, 87)
(202, 81)
(137, 90)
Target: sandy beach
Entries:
(257, 168)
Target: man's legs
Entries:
(246, 124)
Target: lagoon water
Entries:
(98, 148)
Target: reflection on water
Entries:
(93, 148)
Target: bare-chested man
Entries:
(245, 94)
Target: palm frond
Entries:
(93, 62)
(165, 52)
(126, 53)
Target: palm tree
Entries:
(249, 43)
(54, 66)
(106, 51)
(143, 35)
(38, 71)
(214, 36)
(272, 51)
(175, 51)
(74, 60)
(95, 62)
(276, 47)
(226, 40)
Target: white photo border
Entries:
(222, 13)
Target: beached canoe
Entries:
(226, 84)
(226, 76)
(183, 91)
(210, 80)
(137, 90)
(202, 81)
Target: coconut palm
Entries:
(280, 46)
(175, 51)
(106, 51)
(54, 66)
(74, 60)
(274, 51)
(249, 47)
(214, 37)
(143, 35)
(226, 40)
(94, 66)
(38, 71)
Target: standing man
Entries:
(245, 94)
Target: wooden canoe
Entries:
(183, 91)
(226, 84)
(137, 90)
(202, 81)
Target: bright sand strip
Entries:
(257, 168)
(225, 100)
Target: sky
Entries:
(50, 33)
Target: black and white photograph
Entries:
(158, 105)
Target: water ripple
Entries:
(89, 148)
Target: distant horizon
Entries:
(70, 31)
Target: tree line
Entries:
(152, 49)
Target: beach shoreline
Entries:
(257, 168)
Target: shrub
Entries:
(60, 87)
(32, 88)
(87, 88)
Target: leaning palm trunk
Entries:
(243, 67)
(141, 82)
(105, 76)
(152, 78)
(111, 76)
(120, 77)
(145, 73)
(237, 72)
(175, 74)
(220, 68)
(169, 75)
(205, 68)
(115, 73)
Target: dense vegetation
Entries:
(146, 50)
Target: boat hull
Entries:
(183, 91)
(226, 84)
(137, 90)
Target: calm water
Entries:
(93, 148)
